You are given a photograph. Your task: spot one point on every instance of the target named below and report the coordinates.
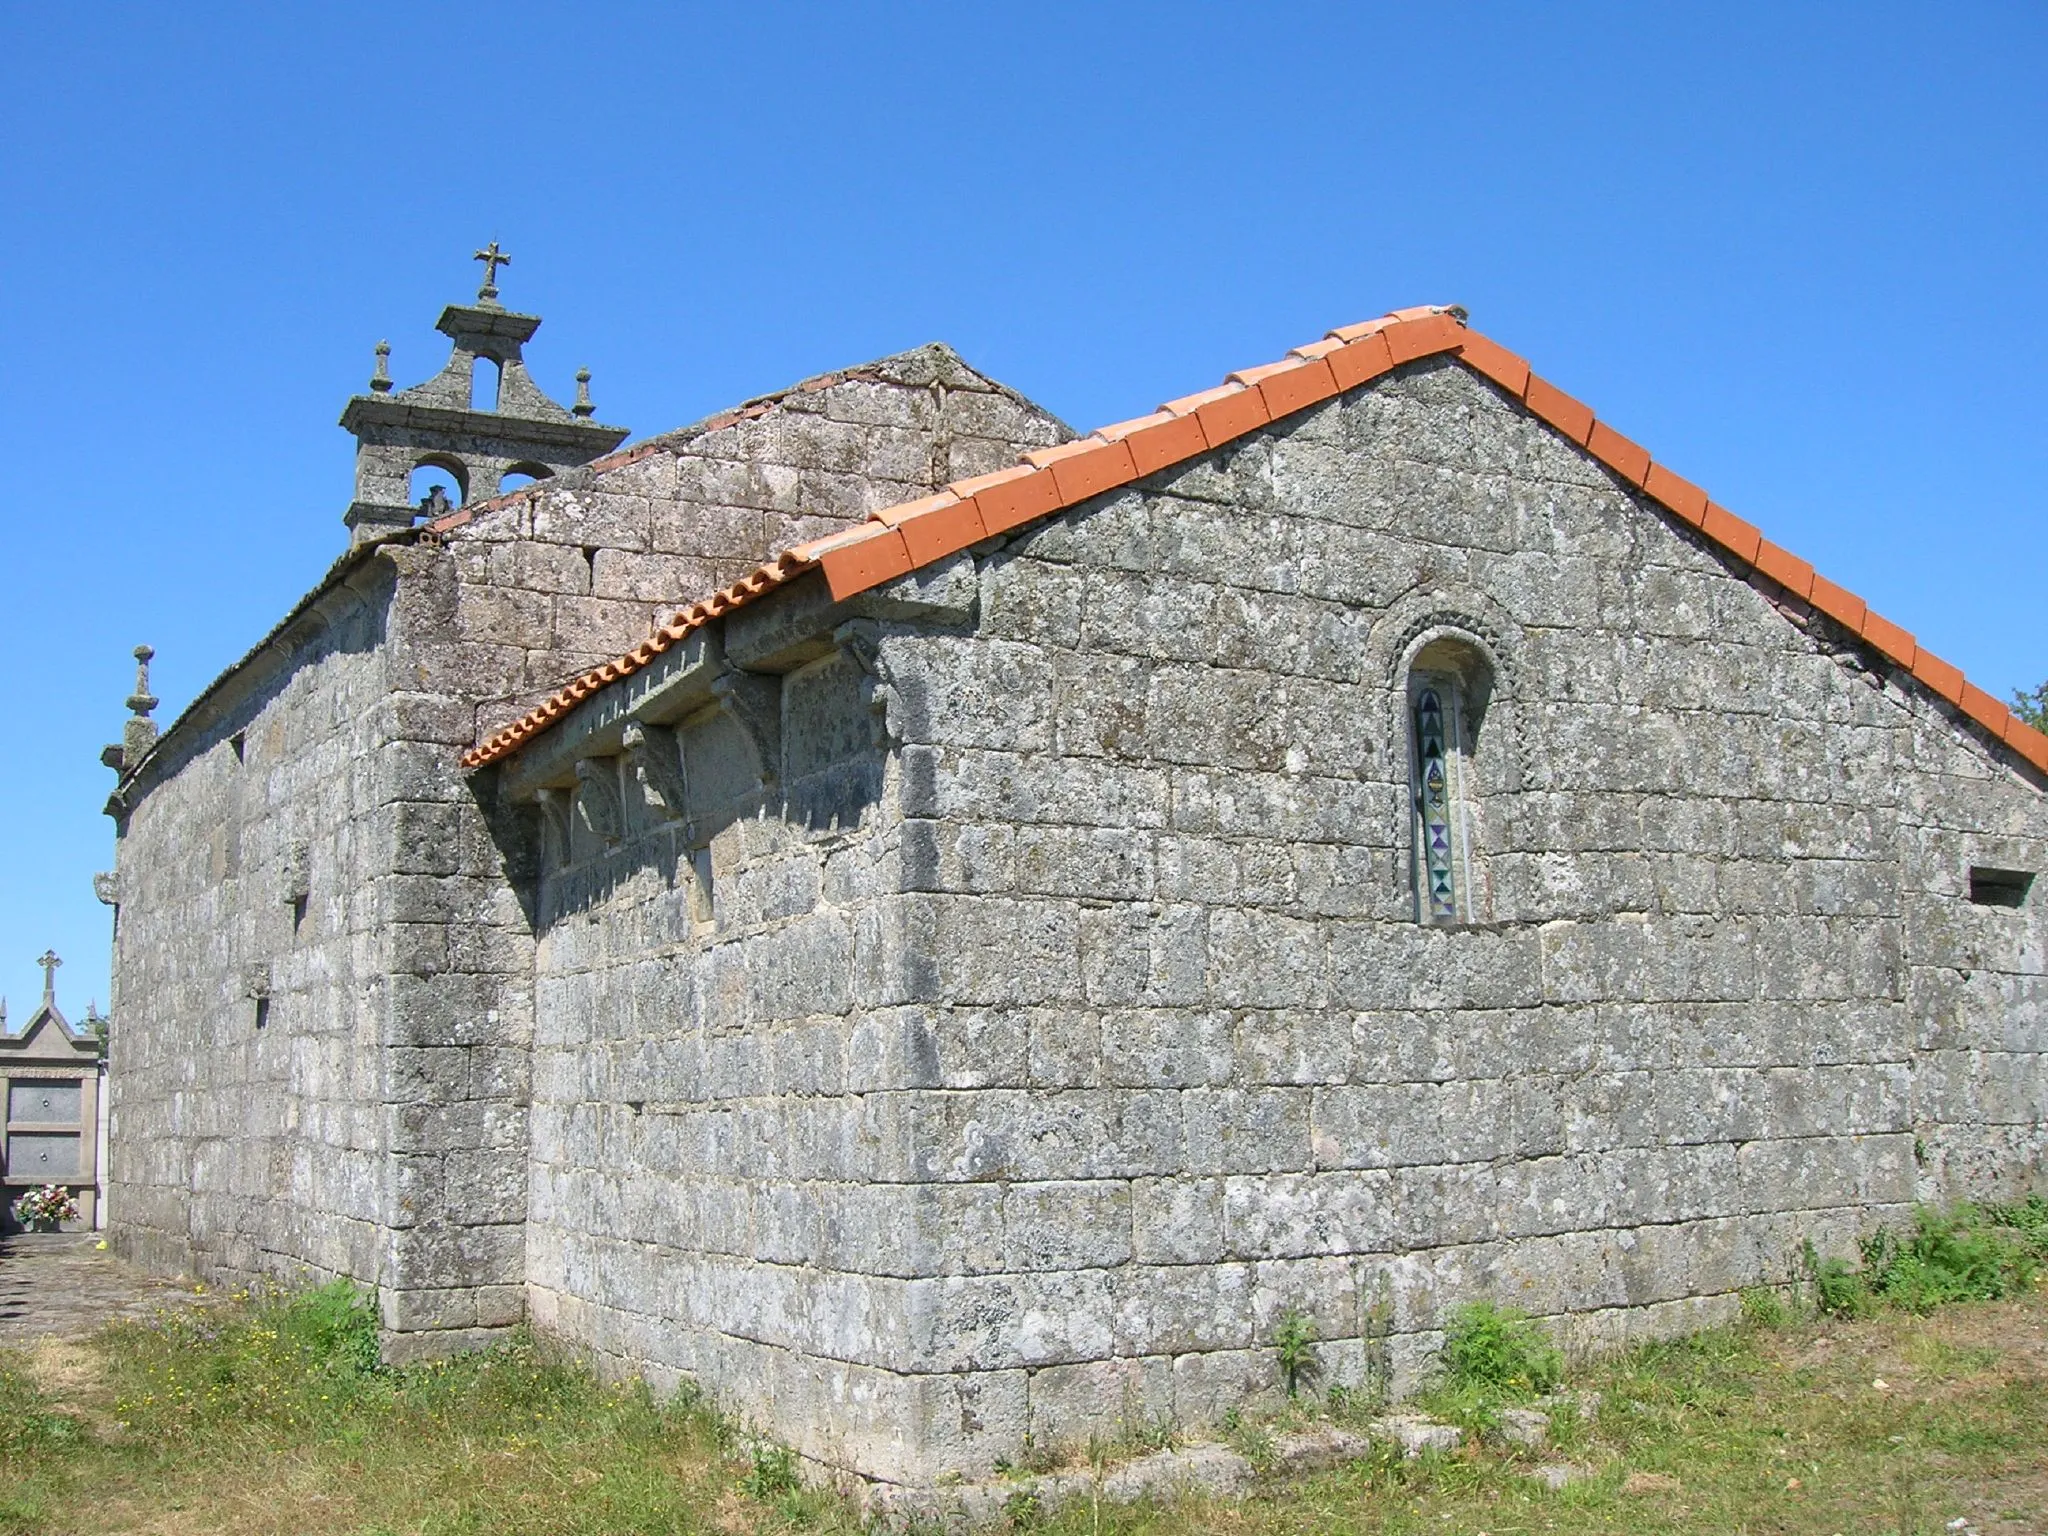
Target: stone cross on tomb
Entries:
(492, 258)
(49, 962)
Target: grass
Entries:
(274, 1417)
(1965, 1253)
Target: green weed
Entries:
(1294, 1342)
(1965, 1253)
(1765, 1309)
(1501, 1351)
(773, 1473)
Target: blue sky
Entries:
(1798, 251)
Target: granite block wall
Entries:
(509, 605)
(1136, 1040)
(248, 1129)
(377, 1125)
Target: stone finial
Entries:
(380, 381)
(492, 258)
(436, 503)
(49, 962)
(138, 733)
(583, 407)
(142, 701)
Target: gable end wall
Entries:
(1134, 1043)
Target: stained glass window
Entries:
(1434, 862)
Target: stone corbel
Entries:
(858, 640)
(107, 886)
(656, 753)
(597, 793)
(554, 820)
(755, 706)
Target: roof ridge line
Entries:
(896, 540)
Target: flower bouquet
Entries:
(41, 1209)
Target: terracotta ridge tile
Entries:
(1626, 458)
(1311, 350)
(1295, 386)
(1740, 539)
(1228, 417)
(1102, 467)
(1360, 361)
(1040, 458)
(941, 530)
(974, 485)
(1570, 417)
(893, 516)
(1785, 568)
(1420, 335)
(2028, 742)
(1250, 377)
(1187, 405)
(1117, 431)
(863, 563)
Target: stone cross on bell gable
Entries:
(492, 258)
(49, 962)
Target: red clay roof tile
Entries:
(942, 530)
(1628, 459)
(1187, 405)
(1117, 431)
(900, 539)
(1496, 362)
(1016, 502)
(1889, 638)
(862, 563)
(1231, 416)
(1740, 539)
(1839, 604)
(1944, 678)
(1677, 493)
(897, 515)
(1103, 467)
(1359, 361)
(1297, 386)
(1785, 568)
(1173, 440)
(1553, 405)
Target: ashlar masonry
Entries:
(1360, 839)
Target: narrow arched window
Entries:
(1448, 685)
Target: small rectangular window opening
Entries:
(262, 1012)
(298, 913)
(1999, 887)
(240, 742)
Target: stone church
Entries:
(940, 929)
